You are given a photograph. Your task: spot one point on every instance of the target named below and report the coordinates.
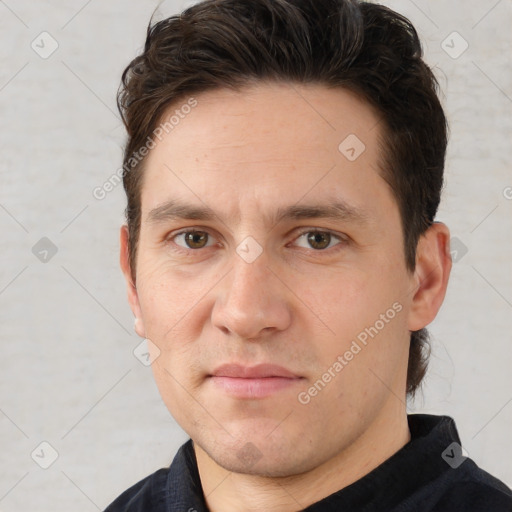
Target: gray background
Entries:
(68, 373)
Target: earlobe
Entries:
(138, 326)
(433, 266)
(133, 298)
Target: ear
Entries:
(133, 298)
(433, 266)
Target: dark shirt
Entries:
(429, 473)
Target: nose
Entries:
(252, 301)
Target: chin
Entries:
(253, 462)
(253, 452)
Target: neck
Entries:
(226, 491)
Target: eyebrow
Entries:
(338, 210)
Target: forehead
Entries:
(310, 117)
(265, 146)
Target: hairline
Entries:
(384, 144)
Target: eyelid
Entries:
(341, 237)
(311, 229)
(191, 229)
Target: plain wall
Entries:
(68, 374)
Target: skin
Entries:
(244, 155)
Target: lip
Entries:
(253, 382)
(259, 371)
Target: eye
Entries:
(318, 240)
(192, 239)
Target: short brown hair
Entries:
(365, 48)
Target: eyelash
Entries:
(342, 239)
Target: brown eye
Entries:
(196, 239)
(192, 239)
(319, 239)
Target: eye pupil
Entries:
(317, 239)
(196, 239)
(322, 239)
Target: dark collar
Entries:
(405, 473)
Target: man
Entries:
(283, 170)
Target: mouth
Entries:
(253, 382)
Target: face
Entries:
(271, 278)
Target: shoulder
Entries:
(148, 495)
(473, 489)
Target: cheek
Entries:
(354, 298)
(171, 380)
(176, 307)
(366, 313)
(169, 299)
